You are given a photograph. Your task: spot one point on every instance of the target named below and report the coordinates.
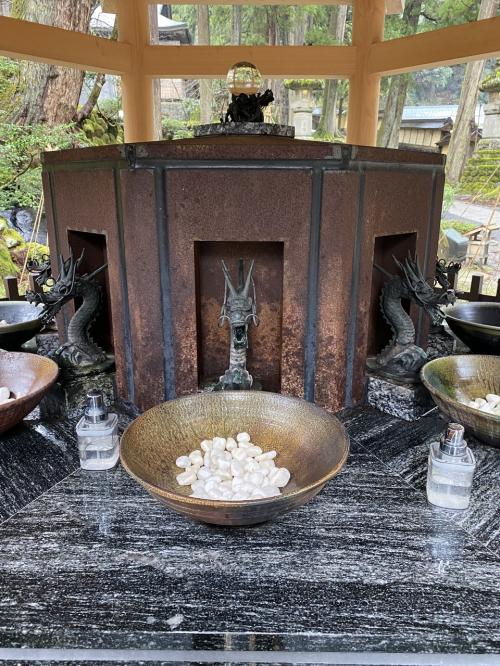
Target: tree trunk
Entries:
(458, 151)
(328, 120)
(203, 21)
(47, 93)
(388, 133)
(275, 36)
(236, 25)
(154, 38)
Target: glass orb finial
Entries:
(244, 78)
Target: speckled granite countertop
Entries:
(93, 570)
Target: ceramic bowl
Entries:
(477, 325)
(311, 443)
(28, 376)
(455, 378)
(23, 323)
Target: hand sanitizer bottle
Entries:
(451, 468)
(98, 442)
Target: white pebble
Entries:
(231, 444)
(490, 405)
(206, 445)
(251, 465)
(230, 470)
(183, 462)
(186, 478)
(270, 491)
(195, 457)
(256, 479)
(268, 455)
(279, 477)
(219, 444)
(240, 454)
(204, 473)
(237, 468)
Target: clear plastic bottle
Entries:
(97, 431)
(450, 471)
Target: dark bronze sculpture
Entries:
(402, 358)
(446, 273)
(80, 354)
(239, 309)
(248, 108)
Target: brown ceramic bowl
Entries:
(28, 376)
(477, 325)
(23, 323)
(454, 378)
(311, 443)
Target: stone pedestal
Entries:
(406, 401)
(244, 129)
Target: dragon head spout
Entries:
(239, 307)
(419, 290)
(61, 291)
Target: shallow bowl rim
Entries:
(446, 398)
(50, 364)
(195, 501)
(449, 313)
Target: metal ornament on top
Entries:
(245, 112)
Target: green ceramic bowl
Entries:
(454, 378)
(23, 323)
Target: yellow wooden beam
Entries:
(448, 46)
(198, 62)
(43, 43)
(391, 6)
(364, 87)
(137, 88)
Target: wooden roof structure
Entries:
(364, 62)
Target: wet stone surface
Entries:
(366, 566)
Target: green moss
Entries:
(304, 84)
(458, 225)
(35, 250)
(482, 175)
(492, 82)
(13, 238)
(7, 266)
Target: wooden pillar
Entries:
(137, 89)
(364, 88)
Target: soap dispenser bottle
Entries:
(450, 471)
(97, 431)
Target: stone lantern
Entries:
(491, 129)
(302, 104)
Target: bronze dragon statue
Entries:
(80, 354)
(239, 309)
(402, 359)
